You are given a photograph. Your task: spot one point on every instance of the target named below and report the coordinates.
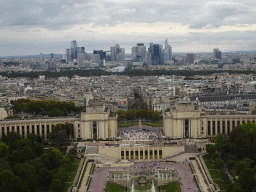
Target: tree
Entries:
(246, 179)
(45, 177)
(27, 154)
(27, 173)
(9, 182)
(3, 149)
(219, 139)
(14, 158)
(210, 149)
(241, 165)
(239, 142)
(56, 185)
(69, 128)
(4, 165)
(219, 163)
(61, 139)
(39, 149)
(45, 159)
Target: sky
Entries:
(29, 27)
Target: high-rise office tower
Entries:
(73, 50)
(139, 52)
(117, 53)
(79, 50)
(216, 54)
(102, 53)
(51, 56)
(190, 58)
(81, 59)
(67, 55)
(121, 55)
(41, 57)
(112, 53)
(96, 58)
(157, 56)
(167, 52)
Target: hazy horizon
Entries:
(31, 27)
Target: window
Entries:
(209, 127)
(213, 128)
(94, 130)
(223, 127)
(78, 125)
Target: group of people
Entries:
(141, 135)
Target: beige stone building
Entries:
(139, 152)
(3, 113)
(95, 123)
(186, 120)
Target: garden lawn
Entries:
(215, 174)
(221, 184)
(153, 124)
(209, 163)
(72, 173)
(126, 124)
(110, 187)
(172, 187)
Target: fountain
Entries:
(114, 177)
(133, 187)
(153, 187)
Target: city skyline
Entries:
(31, 27)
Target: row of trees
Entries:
(128, 71)
(47, 107)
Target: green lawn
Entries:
(173, 187)
(215, 174)
(72, 173)
(66, 186)
(127, 124)
(209, 163)
(74, 167)
(76, 160)
(110, 187)
(153, 124)
(221, 184)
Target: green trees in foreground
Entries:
(241, 144)
(26, 166)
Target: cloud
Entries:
(218, 13)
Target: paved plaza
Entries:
(187, 184)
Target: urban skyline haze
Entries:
(31, 27)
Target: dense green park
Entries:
(238, 152)
(25, 164)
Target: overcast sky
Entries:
(29, 27)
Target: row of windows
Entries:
(217, 129)
(139, 154)
(27, 130)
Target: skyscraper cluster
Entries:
(216, 54)
(155, 55)
(117, 53)
(74, 51)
